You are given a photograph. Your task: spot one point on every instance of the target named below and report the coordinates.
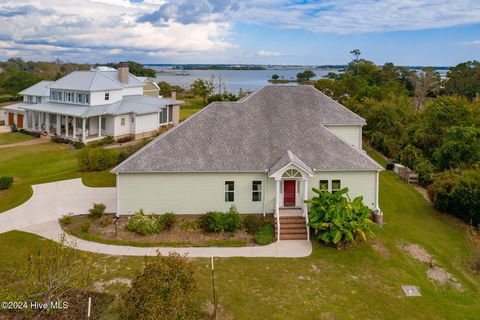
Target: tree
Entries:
(356, 54)
(460, 148)
(165, 89)
(53, 271)
(424, 82)
(164, 290)
(464, 79)
(202, 88)
(275, 77)
(305, 75)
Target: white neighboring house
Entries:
(87, 105)
(263, 153)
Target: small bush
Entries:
(105, 221)
(78, 145)
(106, 140)
(66, 220)
(14, 128)
(144, 224)
(85, 227)
(232, 221)
(58, 139)
(254, 223)
(265, 235)
(6, 182)
(212, 221)
(190, 225)
(167, 219)
(96, 159)
(164, 290)
(97, 210)
(128, 151)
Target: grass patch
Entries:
(43, 163)
(186, 113)
(13, 137)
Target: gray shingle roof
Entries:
(288, 158)
(137, 104)
(39, 89)
(252, 135)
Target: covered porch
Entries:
(71, 127)
(291, 190)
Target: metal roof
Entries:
(39, 89)
(254, 133)
(136, 104)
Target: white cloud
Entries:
(264, 53)
(471, 43)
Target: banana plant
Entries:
(335, 218)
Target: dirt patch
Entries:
(100, 286)
(423, 192)
(379, 247)
(434, 272)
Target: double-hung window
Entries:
(336, 185)
(256, 191)
(229, 191)
(107, 96)
(323, 185)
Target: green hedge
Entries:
(96, 159)
(5, 182)
(215, 221)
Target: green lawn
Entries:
(42, 163)
(13, 137)
(358, 283)
(191, 106)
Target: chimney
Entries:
(123, 72)
(174, 95)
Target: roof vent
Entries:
(123, 72)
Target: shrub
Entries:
(96, 159)
(85, 227)
(97, 210)
(164, 290)
(14, 128)
(78, 145)
(6, 182)
(58, 139)
(167, 220)
(144, 224)
(265, 235)
(458, 193)
(232, 221)
(253, 223)
(106, 140)
(336, 219)
(212, 221)
(105, 221)
(66, 220)
(128, 151)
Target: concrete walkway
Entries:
(51, 201)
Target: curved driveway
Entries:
(51, 201)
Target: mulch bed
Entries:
(178, 235)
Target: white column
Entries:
(25, 119)
(59, 124)
(83, 130)
(33, 121)
(305, 196)
(66, 126)
(277, 206)
(47, 122)
(74, 120)
(99, 126)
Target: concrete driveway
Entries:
(51, 201)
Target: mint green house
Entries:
(263, 153)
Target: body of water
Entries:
(232, 80)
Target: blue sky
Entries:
(406, 32)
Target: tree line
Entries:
(426, 123)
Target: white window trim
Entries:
(229, 191)
(331, 185)
(260, 191)
(123, 121)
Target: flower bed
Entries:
(186, 231)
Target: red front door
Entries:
(289, 193)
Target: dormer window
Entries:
(107, 96)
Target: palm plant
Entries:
(337, 219)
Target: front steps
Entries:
(291, 228)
